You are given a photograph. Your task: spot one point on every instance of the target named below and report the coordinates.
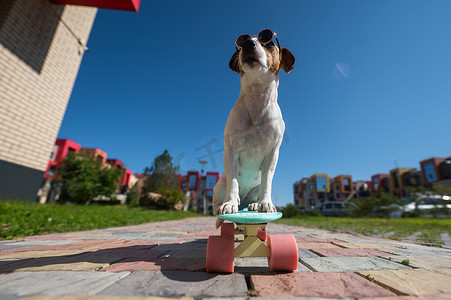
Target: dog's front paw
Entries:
(253, 207)
(266, 207)
(228, 208)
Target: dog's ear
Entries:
(234, 62)
(287, 61)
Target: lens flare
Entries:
(340, 71)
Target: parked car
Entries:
(422, 205)
(335, 209)
(394, 210)
(429, 206)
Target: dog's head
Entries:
(255, 57)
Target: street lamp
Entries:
(202, 164)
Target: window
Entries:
(338, 205)
(210, 181)
(51, 171)
(321, 184)
(347, 184)
(429, 172)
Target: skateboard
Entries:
(281, 250)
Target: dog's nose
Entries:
(250, 43)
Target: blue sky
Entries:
(372, 83)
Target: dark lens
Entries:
(265, 36)
(241, 39)
(270, 44)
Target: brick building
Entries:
(42, 44)
(41, 47)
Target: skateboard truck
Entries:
(281, 250)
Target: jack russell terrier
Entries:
(254, 130)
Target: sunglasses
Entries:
(264, 37)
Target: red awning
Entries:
(131, 5)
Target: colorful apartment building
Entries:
(397, 180)
(41, 47)
(342, 187)
(98, 154)
(430, 169)
(200, 188)
(317, 189)
(381, 183)
(305, 193)
(64, 147)
(309, 192)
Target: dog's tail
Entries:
(219, 222)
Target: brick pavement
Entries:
(167, 260)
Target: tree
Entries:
(161, 174)
(161, 179)
(82, 178)
(441, 189)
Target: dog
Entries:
(254, 129)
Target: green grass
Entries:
(430, 229)
(23, 219)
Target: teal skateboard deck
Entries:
(251, 217)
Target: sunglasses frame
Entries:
(274, 35)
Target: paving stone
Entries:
(179, 283)
(327, 285)
(36, 254)
(9, 297)
(446, 240)
(414, 281)
(424, 261)
(184, 250)
(78, 245)
(99, 297)
(57, 283)
(348, 252)
(419, 297)
(254, 265)
(304, 253)
(364, 245)
(366, 239)
(124, 253)
(160, 264)
(314, 240)
(350, 264)
(317, 246)
(418, 250)
(11, 246)
(229, 298)
(187, 254)
(332, 235)
(82, 262)
(35, 243)
(302, 298)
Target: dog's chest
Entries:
(254, 133)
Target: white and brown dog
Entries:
(254, 130)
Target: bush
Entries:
(132, 198)
(170, 197)
(365, 206)
(290, 211)
(167, 200)
(82, 178)
(311, 212)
